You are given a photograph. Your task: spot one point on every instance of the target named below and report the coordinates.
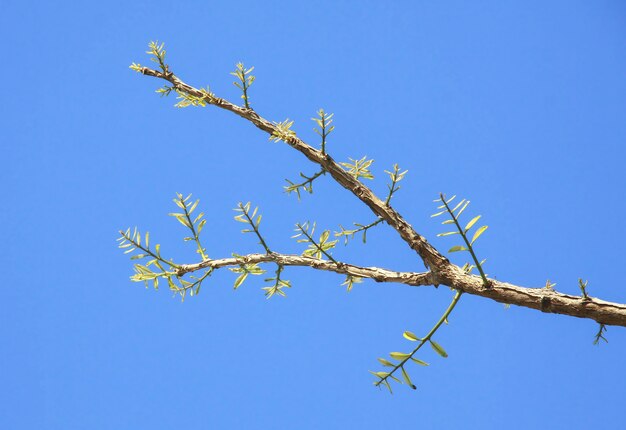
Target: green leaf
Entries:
(350, 281)
(181, 219)
(399, 355)
(240, 280)
(438, 349)
(458, 204)
(420, 362)
(448, 233)
(410, 336)
(462, 209)
(386, 362)
(471, 223)
(457, 248)
(407, 379)
(480, 231)
(324, 236)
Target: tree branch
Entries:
(442, 271)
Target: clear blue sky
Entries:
(518, 106)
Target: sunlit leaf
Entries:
(410, 336)
(438, 349)
(386, 363)
(240, 280)
(458, 205)
(471, 223)
(462, 209)
(480, 231)
(420, 362)
(405, 375)
(447, 233)
(457, 248)
(399, 355)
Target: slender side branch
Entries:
(306, 185)
(375, 273)
(384, 376)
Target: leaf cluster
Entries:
(249, 218)
(324, 126)
(195, 226)
(454, 218)
(186, 99)
(244, 270)
(359, 168)
(245, 80)
(278, 283)
(282, 131)
(305, 233)
(306, 185)
(157, 267)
